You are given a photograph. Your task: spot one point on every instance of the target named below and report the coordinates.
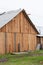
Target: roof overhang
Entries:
(41, 35)
(30, 21)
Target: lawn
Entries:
(32, 58)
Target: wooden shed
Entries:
(40, 40)
(17, 32)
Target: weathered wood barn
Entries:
(17, 32)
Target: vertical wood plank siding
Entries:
(17, 31)
(15, 42)
(2, 43)
(5, 43)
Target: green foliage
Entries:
(23, 59)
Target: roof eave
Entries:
(30, 21)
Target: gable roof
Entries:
(29, 20)
(7, 16)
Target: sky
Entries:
(32, 7)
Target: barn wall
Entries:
(17, 35)
(41, 40)
(11, 42)
(19, 24)
(38, 40)
(26, 27)
(19, 42)
(2, 43)
(32, 42)
(25, 42)
(13, 25)
(24, 24)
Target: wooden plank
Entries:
(25, 25)
(19, 42)
(0, 29)
(32, 30)
(19, 22)
(13, 35)
(3, 29)
(7, 28)
(22, 23)
(15, 42)
(25, 42)
(2, 43)
(10, 26)
(9, 42)
(32, 42)
(15, 24)
(5, 43)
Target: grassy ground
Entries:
(32, 58)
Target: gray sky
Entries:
(33, 7)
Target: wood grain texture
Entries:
(2, 43)
(18, 31)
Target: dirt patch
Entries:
(41, 62)
(3, 60)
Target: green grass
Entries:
(23, 59)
